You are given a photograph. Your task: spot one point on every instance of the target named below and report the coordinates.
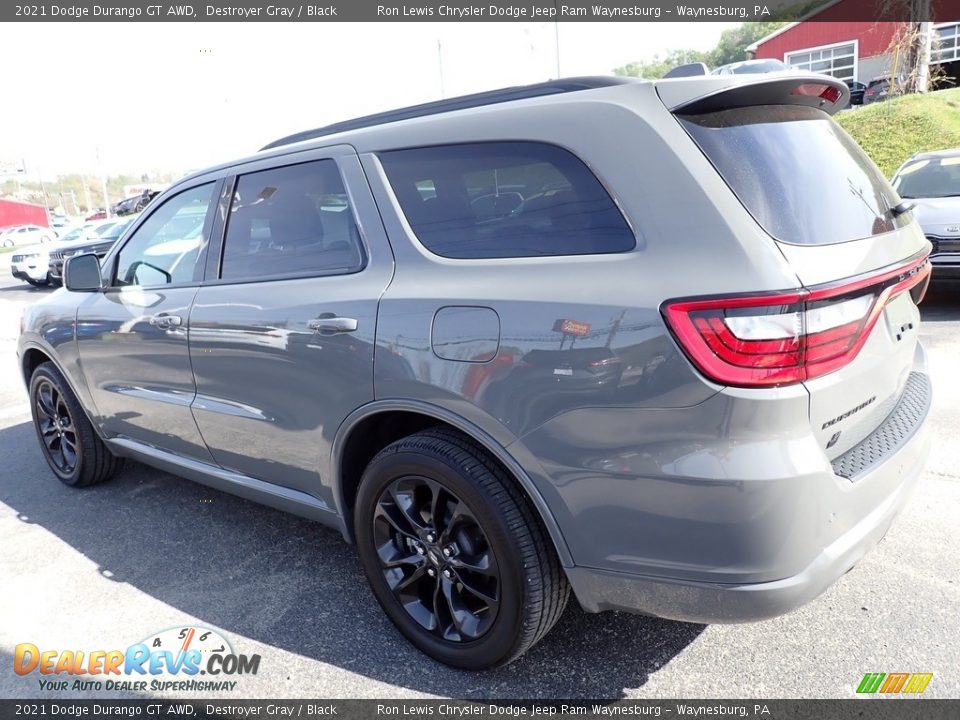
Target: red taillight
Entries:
(826, 92)
(784, 338)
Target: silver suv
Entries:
(654, 343)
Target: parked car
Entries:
(727, 397)
(931, 180)
(134, 204)
(26, 235)
(856, 92)
(752, 67)
(881, 88)
(33, 262)
(96, 215)
(100, 238)
(30, 265)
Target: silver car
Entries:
(931, 180)
(654, 344)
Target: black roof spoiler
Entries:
(463, 102)
(688, 70)
(723, 92)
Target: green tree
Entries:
(657, 67)
(732, 46)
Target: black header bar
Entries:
(462, 11)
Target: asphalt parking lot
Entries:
(106, 567)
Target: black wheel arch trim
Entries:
(83, 398)
(474, 432)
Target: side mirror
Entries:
(81, 273)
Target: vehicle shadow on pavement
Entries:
(26, 288)
(296, 585)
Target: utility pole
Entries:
(923, 60)
(103, 185)
(556, 41)
(443, 93)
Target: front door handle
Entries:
(331, 325)
(165, 322)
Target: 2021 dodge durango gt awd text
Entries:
(654, 343)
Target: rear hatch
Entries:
(850, 333)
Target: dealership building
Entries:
(858, 51)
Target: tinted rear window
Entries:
(511, 199)
(797, 172)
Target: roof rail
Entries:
(491, 97)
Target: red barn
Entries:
(828, 41)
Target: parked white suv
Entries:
(32, 264)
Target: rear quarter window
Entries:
(499, 200)
(803, 179)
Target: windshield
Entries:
(931, 178)
(115, 232)
(757, 67)
(803, 179)
(72, 235)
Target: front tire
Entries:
(454, 553)
(70, 445)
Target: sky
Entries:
(173, 97)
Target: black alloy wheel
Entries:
(69, 442)
(436, 559)
(55, 426)
(454, 552)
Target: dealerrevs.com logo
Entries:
(195, 659)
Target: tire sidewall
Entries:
(498, 643)
(48, 374)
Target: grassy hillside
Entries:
(894, 130)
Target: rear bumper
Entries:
(708, 602)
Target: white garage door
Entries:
(838, 60)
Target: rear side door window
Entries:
(291, 221)
(505, 199)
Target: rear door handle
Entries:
(331, 325)
(166, 321)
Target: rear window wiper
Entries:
(901, 208)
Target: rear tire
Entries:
(435, 502)
(68, 441)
